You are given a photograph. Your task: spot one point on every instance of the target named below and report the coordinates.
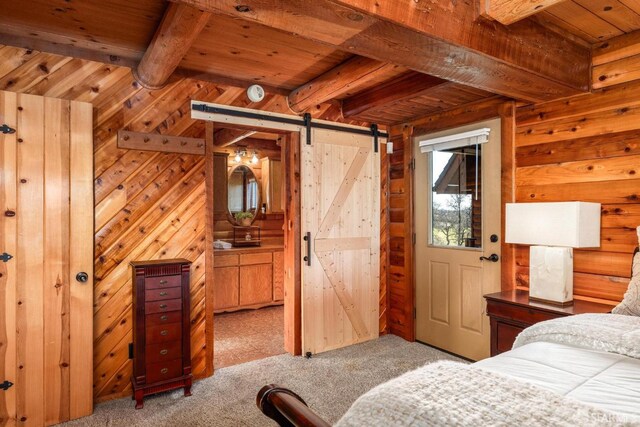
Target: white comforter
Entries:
(569, 381)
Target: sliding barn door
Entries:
(46, 227)
(341, 222)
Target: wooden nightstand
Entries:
(511, 311)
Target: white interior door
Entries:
(341, 217)
(457, 210)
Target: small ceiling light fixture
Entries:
(243, 8)
(241, 153)
(255, 93)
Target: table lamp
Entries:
(554, 229)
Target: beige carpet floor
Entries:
(329, 382)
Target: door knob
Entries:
(492, 258)
(82, 277)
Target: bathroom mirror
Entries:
(243, 193)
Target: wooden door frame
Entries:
(497, 107)
(292, 239)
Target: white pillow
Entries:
(630, 305)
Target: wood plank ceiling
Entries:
(232, 49)
(593, 20)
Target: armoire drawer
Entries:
(163, 282)
(162, 294)
(163, 352)
(164, 333)
(163, 318)
(162, 306)
(164, 370)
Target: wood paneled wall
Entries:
(147, 204)
(586, 148)
(399, 277)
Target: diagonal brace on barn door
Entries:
(325, 247)
(333, 214)
(342, 293)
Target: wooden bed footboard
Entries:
(287, 408)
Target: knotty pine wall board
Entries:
(147, 204)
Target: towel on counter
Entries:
(221, 244)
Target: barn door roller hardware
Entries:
(5, 129)
(306, 122)
(5, 257)
(6, 385)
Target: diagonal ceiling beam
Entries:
(509, 11)
(178, 29)
(440, 38)
(409, 86)
(337, 82)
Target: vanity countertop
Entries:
(268, 247)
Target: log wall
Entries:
(147, 204)
(585, 148)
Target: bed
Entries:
(579, 370)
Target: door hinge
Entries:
(6, 385)
(412, 164)
(415, 315)
(131, 350)
(5, 129)
(5, 257)
(413, 238)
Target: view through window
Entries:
(456, 197)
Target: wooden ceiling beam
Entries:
(443, 39)
(410, 85)
(337, 82)
(509, 11)
(228, 136)
(176, 33)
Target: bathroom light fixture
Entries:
(241, 153)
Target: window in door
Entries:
(456, 197)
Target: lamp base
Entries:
(551, 274)
(558, 304)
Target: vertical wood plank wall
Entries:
(148, 204)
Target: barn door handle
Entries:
(492, 258)
(307, 258)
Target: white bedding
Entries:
(583, 370)
(607, 380)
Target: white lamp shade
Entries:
(568, 224)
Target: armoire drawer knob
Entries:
(163, 305)
(163, 282)
(164, 317)
(164, 333)
(164, 352)
(164, 294)
(164, 370)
